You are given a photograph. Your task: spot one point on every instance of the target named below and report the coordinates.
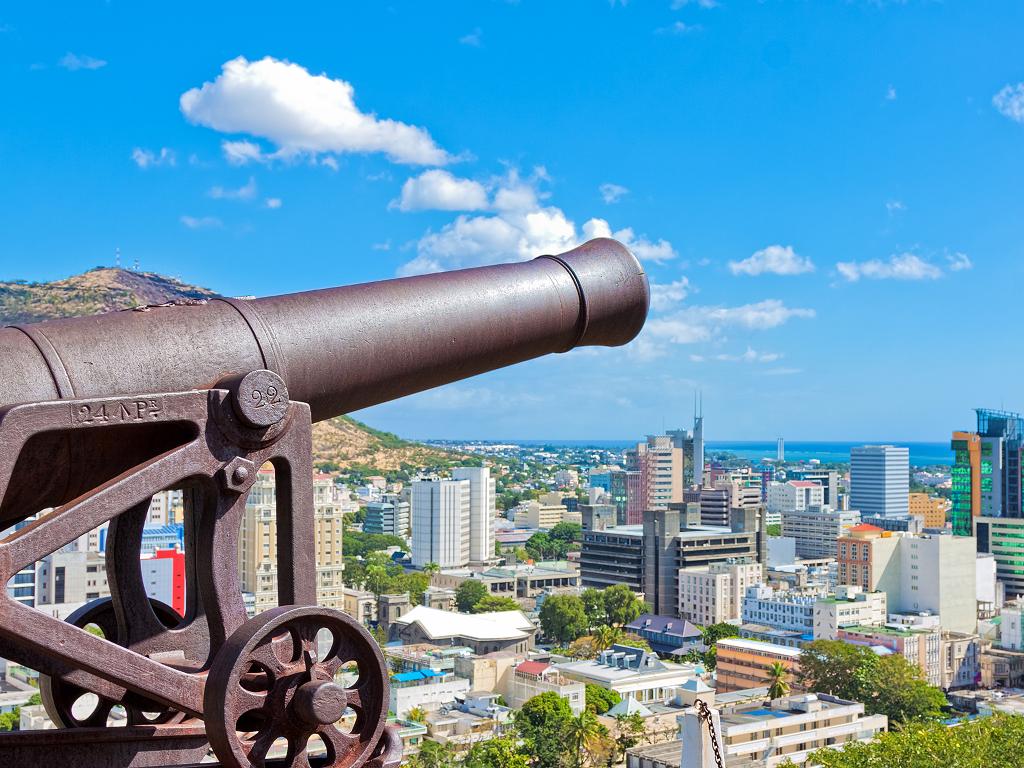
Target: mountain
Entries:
(103, 289)
(340, 443)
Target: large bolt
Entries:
(260, 399)
(320, 702)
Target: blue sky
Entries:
(827, 195)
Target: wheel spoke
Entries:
(269, 654)
(257, 751)
(338, 744)
(300, 759)
(247, 701)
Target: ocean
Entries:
(921, 454)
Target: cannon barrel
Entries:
(340, 349)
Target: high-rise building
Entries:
(966, 482)
(627, 496)
(1003, 537)
(932, 511)
(713, 594)
(929, 572)
(440, 522)
(692, 445)
(880, 480)
(828, 478)
(780, 450)
(795, 495)
(258, 542)
(816, 528)
(1001, 436)
(659, 461)
(482, 500)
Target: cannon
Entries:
(98, 414)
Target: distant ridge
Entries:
(103, 289)
(341, 443)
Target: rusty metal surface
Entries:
(99, 414)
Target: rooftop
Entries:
(758, 646)
(500, 625)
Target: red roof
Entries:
(804, 484)
(864, 528)
(535, 668)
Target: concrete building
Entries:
(880, 480)
(360, 605)
(946, 659)
(425, 689)
(931, 509)
(532, 678)
(935, 573)
(795, 495)
(659, 461)
(756, 735)
(390, 517)
(713, 594)
(816, 528)
(745, 664)
(826, 478)
(520, 581)
(440, 522)
(258, 541)
(648, 558)
(633, 673)
(481, 511)
(544, 516)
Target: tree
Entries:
(583, 648)
(541, 546)
(605, 637)
(621, 605)
(838, 668)
(712, 633)
(417, 715)
(777, 685)
(585, 736)
(378, 581)
(987, 742)
(562, 617)
(902, 694)
(433, 755)
(543, 722)
(491, 603)
(570, 533)
(431, 569)
(629, 729)
(502, 752)
(469, 593)
(593, 605)
(416, 585)
(599, 700)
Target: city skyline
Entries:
(808, 214)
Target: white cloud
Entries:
(73, 62)
(612, 193)
(441, 191)
(245, 192)
(750, 356)
(147, 158)
(890, 93)
(958, 262)
(695, 324)
(301, 113)
(775, 259)
(385, 246)
(677, 4)
(201, 222)
(273, 202)
(677, 28)
(243, 152)
(1010, 102)
(474, 38)
(665, 296)
(894, 206)
(903, 266)
(520, 226)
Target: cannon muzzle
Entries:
(340, 349)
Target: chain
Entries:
(704, 712)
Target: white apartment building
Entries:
(819, 617)
(795, 495)
(1011, 629)
(788, 611)
(482, 505)
(660, 464)
(714, 594)
(440, 522)
(849, 606)
(425, 689)
(816, 528)
(532, 678)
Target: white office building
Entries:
(440, 522)
(880, 480)
(714, 593)
(482, 502)
(796, 494)
(816, 528)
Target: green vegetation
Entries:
(502, 752)
(10, 721)
(777, 685)
(544, 723)
(887, 685)
(469, 593)
(599, 700)
(711, 634)
(563, 618)
(775, 529)
(988, 742)
(432, 755)
(358, 544)
(493, 603)
(601, 613)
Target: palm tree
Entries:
(430, 569)
(417, 715)
(605, 637)
(777, 685)
(585, 736)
